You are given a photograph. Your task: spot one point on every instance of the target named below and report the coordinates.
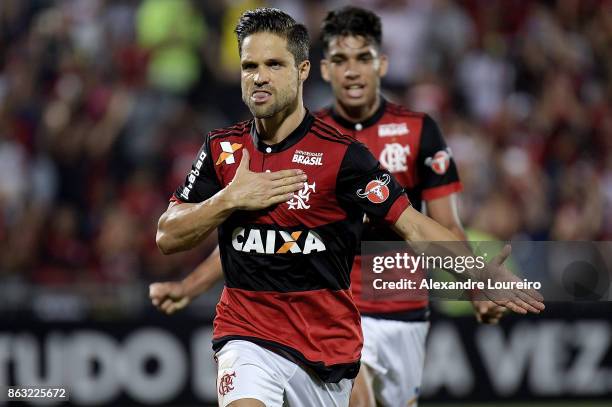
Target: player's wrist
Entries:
(186, 289)
(228, 199)
(474, 296)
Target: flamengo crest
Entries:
(226, 383)
(299, 200)
(393, 157)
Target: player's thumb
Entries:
(155, 290)
(161, 290)
(503, 255)
(244, 162)
(481, 307)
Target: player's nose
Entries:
(351, 70)
(261, 77)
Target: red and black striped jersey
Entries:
(287, 268)
(411, 147)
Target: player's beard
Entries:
(280, 101)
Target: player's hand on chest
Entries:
(293, 184)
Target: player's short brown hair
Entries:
(274, 21)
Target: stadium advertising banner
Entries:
(558, 355)
(168, 361)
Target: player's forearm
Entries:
(444, 211)
(183, 226)
(204, 276)
(413, 226)
(458, 231)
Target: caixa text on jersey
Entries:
(276, 241)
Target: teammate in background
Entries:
(411, 147)
(286, 262)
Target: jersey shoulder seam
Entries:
(324, 130)
(399, 110)
(235, 130)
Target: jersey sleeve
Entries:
(364, 183)
(201, 182)
(435, 164)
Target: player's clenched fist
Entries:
(168, 297)
(253, 190)
(487, 312)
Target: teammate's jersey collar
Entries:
(370, 121)
(295, 136)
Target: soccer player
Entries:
(411, 147)
(283, 191)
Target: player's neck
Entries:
(273, 130)
(357, 114)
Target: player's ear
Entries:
(325, 69)
(303, 70)
(384, 65)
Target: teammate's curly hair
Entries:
(351, 20)
(277, 22)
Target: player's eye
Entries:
(275, 65)
(248, 66)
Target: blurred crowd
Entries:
(104, 103)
